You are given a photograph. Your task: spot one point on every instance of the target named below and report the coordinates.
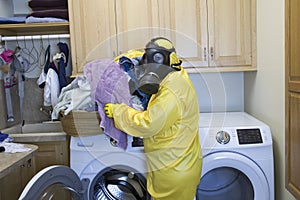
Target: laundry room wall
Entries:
(6, 8)
(264, 89)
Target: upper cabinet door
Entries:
(184, 22)
(230, 33)
(136, 23)
(211, 34)
(92, 31)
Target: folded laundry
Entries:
(30, 20)
(57, 13)
(48, 3)
(12, 20)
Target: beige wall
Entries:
(264, 89)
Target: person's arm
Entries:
(162, 112)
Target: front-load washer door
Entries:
(54, 182)
(232, 176)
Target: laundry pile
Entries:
(104, 81)
(48, 11)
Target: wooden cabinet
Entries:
(13, 183)
(292, 97)
(51, 153)
(107, 28)
(209, 35)
(213, 34)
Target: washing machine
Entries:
(237, 158)
(237, 164)
(98, 170)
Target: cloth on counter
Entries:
(3, 136)
(11, 147)
(30, 20)
(75, 96)
(12, 20)
(47, 4)
(112, 88)
(57, 13)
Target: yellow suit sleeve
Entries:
(161, 113)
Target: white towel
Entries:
(11, 147)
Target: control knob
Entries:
(223, 137)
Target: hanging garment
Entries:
(6, 58)
(112, 87)
(171, 140)
(52, 88)
(42, 78)
(21, 65)
(62, 64)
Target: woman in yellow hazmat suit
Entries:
(169, 127)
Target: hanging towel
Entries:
(112, 87)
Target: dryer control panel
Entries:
(249, 136)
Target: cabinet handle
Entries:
(29, 163)
(211, 53)
(204, 54)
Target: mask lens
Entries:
(158, 58)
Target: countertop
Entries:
(9, 161)
(39, 137)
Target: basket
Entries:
(81, 123)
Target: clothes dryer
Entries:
(99, 170)
(237, 158)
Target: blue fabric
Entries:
(3, 136)
(12, 20)
(128, 66)
(63, 47)
(62, 74)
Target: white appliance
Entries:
(237, 164)
(237, 158)
(99, 170)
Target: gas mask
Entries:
(147, 77)
(157, 62)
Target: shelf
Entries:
(34, 28)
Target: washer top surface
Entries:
(233, 130)
(228, 119)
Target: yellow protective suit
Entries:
(170, 130)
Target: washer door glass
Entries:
(225, 183)
(119, 182)
(54, 182)
(230, 176)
